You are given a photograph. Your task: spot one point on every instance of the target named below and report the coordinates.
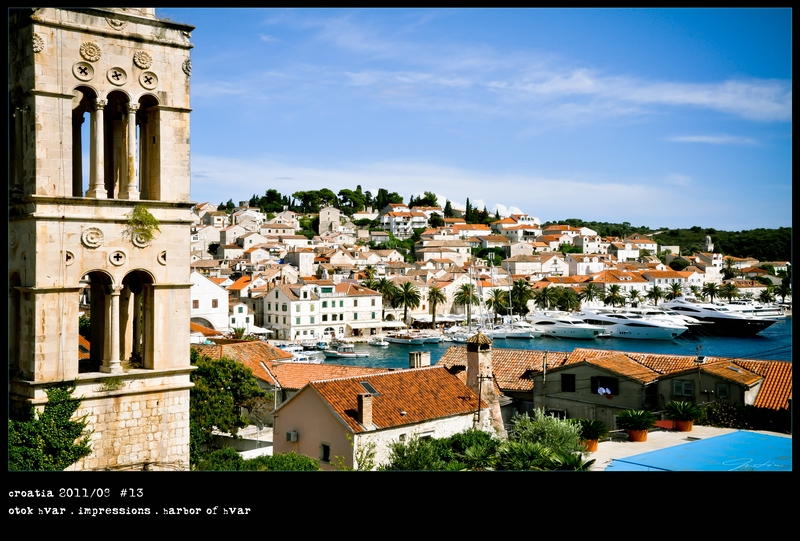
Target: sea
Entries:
(773, 343)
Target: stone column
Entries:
(112, 365)
(97, 186)
(18, 157)
(131, 191)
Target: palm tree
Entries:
(591, 292)
(435, 297)
(655, 294)
(784, 290)
(729, 291)
(498, 300)
(405, 296)
(387, 289)
(521, 293)
(675, 291)
(635, 296)
(696, 291)
(547, 297)
(614, 296)
(370, 271)
(569, 300)
(728, 271)
(711, 290)
(766, 296)
(466, 296)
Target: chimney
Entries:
(365, 410)
(418, 359)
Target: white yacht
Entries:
(563, 325)
(634, 326)
(522, 329)
(347, 351)
(755, 308)
(724, 322)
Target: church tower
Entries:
(99, 221)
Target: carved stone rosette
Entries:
(142, 59)
(116, 24)
(38, 43)
(90, 51)
(187, 66)
(139, 240)
(92, 237)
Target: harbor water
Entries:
(774, 343)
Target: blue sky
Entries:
(657, 117)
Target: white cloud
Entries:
(215, 178)
(268, 39)
(678, 179)
(714, 139)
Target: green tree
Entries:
(448, 210)
(614, 296)
(634, 297)
(729, 291)
(407, 296)
(466, 296)
(435, 297)
(222, 387)
(546, 298)
(497, 302)
(52, 439)
(675, 291)
(521, 293)
(655, 294)
(591, 292)
(784, 290)
(569, 300)
(711, 290)
(728, 270)
(387, 289)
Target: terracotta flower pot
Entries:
(637, 435)
(684, 426)
(591, 445)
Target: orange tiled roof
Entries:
(83, 347)
(618, 363)
(205, 331)
(297, 375)
(403, 397)
(249, 352)
(776, 390)
(511, 367)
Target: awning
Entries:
(394, 324)
(366, 325)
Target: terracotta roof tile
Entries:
(83, 347)
(511, 367)
(297, 375)
(403, 397)
(776, 390)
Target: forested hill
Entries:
(762, 244)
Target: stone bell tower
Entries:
(480, 379)
(99, 134)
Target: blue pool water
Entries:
(774, 343)
(737, 451)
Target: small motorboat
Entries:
(378, 341)
(346, 351)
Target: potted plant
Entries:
(637, 423)
(592, 432)
(684, 414)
